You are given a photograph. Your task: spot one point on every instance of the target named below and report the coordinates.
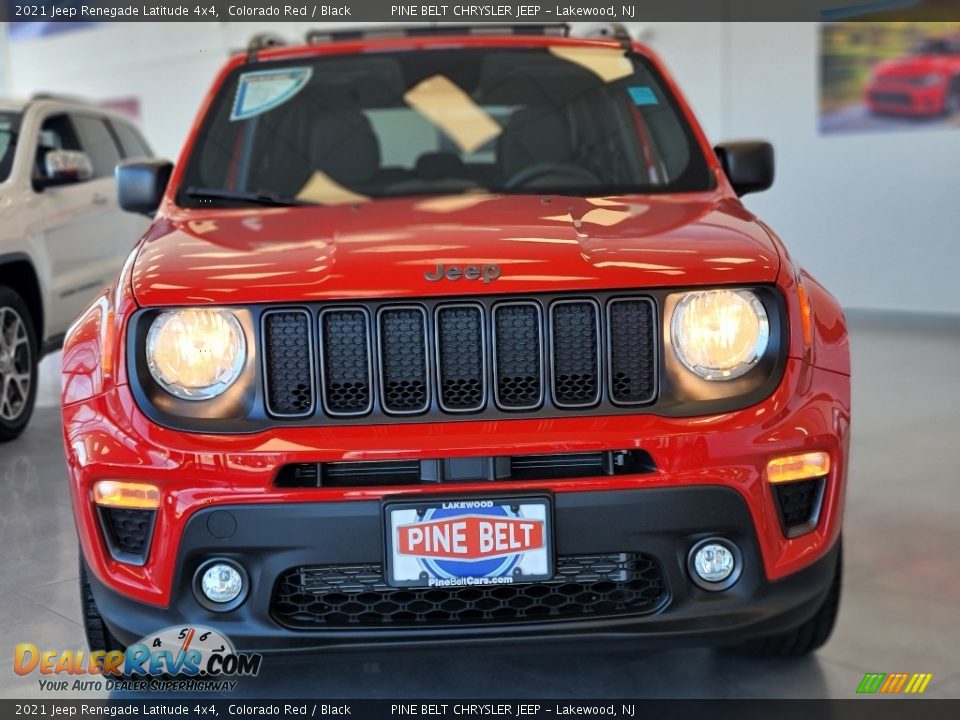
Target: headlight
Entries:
(719, 334)
(196, 354)
(925, 80)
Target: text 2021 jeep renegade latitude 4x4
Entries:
(448, 336)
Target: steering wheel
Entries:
(538, 170)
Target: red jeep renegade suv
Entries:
(451, 336)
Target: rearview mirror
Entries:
(63, 167)
(141, 184)
(748, 165)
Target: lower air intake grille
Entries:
(288, 363)
(576, 356)
(127, 533)
(317, 597)
(799, 505)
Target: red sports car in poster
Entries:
(926, 82)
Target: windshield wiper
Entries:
(256, 198)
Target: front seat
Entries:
(303, 140)
(537, 135)
(343, 145)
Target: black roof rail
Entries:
(395, 31)
(262, 41)
(615, 31)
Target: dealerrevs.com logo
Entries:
(182, 658)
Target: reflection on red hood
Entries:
(384, 248)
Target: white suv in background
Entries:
(62, 234)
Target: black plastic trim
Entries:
(662, 522)
(793, 531)
(493, 349)
(680, 393)
(655, 321)
(312, 362)
(553, 350)
(323, 361)
(128, 558)
(427, 355)
(438, 340)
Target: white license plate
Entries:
(459, 543)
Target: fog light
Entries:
(221, 583)
(714, 564)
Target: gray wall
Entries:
(874, 216)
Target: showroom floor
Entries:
(898, 613)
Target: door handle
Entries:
(99, 199)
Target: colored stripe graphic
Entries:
(894, 683)
(871, 683)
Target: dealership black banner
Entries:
(853, 709)
(476, 12)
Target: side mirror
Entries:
(141, 184)
(749, 165)
(63, 167)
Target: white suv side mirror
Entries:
(62, 167)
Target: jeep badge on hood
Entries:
(488, 273)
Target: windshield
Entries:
(9, 123)
(565, 119)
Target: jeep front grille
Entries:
(478, 357)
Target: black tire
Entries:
(806, 638)
(15, 410)
(97, 632)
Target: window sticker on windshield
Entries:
(643, 95)
(608, 65)
(258, 92)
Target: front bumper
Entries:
(908, 100)
(662, 523)
(710, 479)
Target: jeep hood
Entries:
(385, 248)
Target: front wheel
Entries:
(806, 638)
(18, 364)
(98, 634)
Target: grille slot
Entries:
(346, 371)
(631, 346)
(354, 474)
(799, 505)
(316, 597)
(127, 533)
(559, 466)
(576, 352)
(403, 359)
(461, 365)
(288, 363)
(568, 465)
(518, 355)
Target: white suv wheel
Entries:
(16, 365)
